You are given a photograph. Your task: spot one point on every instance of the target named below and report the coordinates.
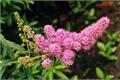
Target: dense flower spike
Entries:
(92, 32)
(46, 63)
(62, 44)
(49, 32)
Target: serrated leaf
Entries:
(101, 46)
(99, 73)
(61, 75)
(60, 67)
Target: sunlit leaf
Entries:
(61, 75)
(101, 46)
(74, 78)
(99, 73)
(60, 67)
(112, 57)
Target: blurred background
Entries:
(72, 16)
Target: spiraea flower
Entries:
(55, 49)
(68, 57)
(60, 35)
(49, 32)
(46, 63)
(68, 43)
(62, 44)
(90, 34)
(76, 46)
(42, 43)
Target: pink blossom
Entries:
(90, 34)
(75, 36)
(60, 35)
(76, 46)
(68, 43)
(44, 57)
(46, 63)
(49, 32)
(42, 43)
(55, 49)
(68, 57)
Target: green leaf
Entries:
(112, 57)
(108, 45)
(11, 44)
(50, 75)
(61, 75)
(115, 35)
(114, 49)
(2, 20)
(100, 73)
(34, 71)
(92, 12)
(60, 67)
(74, 77)
(33, 23)
(3, 65)
(29, 73)
(102, 53)
(101, 46)
(68, 26)
(109, 77)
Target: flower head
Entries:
(76, 46)
(68, 43)
(90, 34)
(60, 35)
(49, 32)
(68, 57)
(55, 49)
(46, 63)
(42, 43)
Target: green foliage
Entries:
(79, 8)
(107, 49)
(99, 73)
(56, 70)
(115, 37)
(102, 76)
(74, 78)
(7, 55)
(8, 8)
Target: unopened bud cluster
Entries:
(26, 32)
(26, 61)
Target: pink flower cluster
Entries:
(63, 44)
